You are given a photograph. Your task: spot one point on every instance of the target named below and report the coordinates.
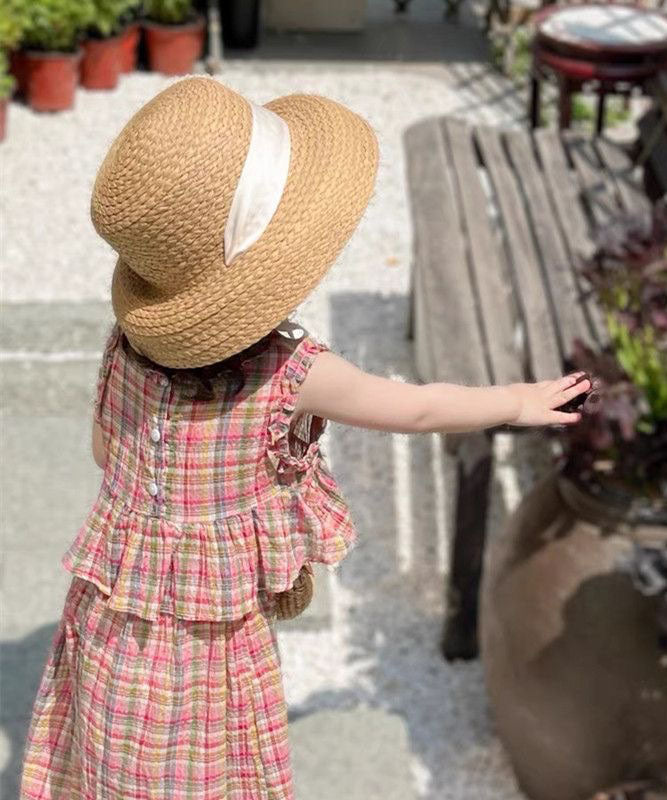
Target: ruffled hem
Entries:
(219, 570)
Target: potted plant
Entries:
(51, 44)
(130, 35)
(10, 34)
(101, 61)
(7, 83)
(574, 592)
(174, 35)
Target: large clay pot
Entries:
(51, 79)
(571, 649)
(173, 49)
(101, 63)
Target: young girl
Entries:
(163, 681)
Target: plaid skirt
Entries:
(132, 709)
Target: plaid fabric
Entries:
(129, 709)
(206, 509)
(206, 505)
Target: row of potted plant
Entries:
(47, 47)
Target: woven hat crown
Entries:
(162, 195)
(162, 200)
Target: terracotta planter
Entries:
(18, 68)
(173, 49)
(100, 64)
(571, 649)
(4, 106)
(129, 43)
(51, 79)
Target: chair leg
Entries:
(599, 123)
(474, 452)
(534, 108)
(564, 104)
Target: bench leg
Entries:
(474, 452)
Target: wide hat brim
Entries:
(224, 309)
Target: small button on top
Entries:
(152, 489)
(164, 380)
(155, 434)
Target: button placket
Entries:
(155, 434)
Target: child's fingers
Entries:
(561, 384)
(564, 418)
(571, 392)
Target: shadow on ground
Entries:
(396, 576)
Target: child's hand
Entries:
(538, 403)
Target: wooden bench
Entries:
(498, 220)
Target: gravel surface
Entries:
(381, 648)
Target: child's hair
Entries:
(202, 377)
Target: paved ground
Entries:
(376, 711)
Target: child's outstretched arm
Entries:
(338, 390)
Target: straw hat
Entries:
(162, 197)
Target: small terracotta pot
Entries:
(100, 65)
(4, 105)
(129, 42)
(173, 49)
(18, 68)
(51, 79)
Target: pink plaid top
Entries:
(205, 503)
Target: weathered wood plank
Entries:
(564, 190)
(541, 338)
(555, 260)
(490, 274)
(447, 334)
(596, 187)
(620, 170)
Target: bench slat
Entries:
(555, 261)
(542, 342)
(620, 169)
(596, 186)
(449, 347)
(490, 274)
(564, 190)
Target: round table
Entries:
(616, 46)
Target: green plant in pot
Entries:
(174, 35)
(573, 624)
(621, 451)
(7, 84)
(12, 23)
(130, 21)
(10, 35)
(51, 40)
(101, 64)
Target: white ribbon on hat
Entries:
(261, 183)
